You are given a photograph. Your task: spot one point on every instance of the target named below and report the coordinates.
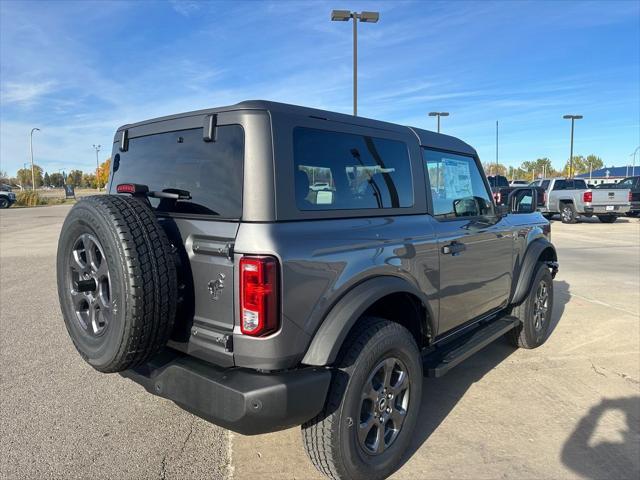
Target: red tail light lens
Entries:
(587, 197)
(497, 197)
(259, 314)
(629, 195)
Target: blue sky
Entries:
(78, 70)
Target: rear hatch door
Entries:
(174, 155)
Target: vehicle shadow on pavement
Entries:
(597, 450)
(440, 395)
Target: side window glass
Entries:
(457, 186)
(559, 185)
(343, 171)
(545, 184)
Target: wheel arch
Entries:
(540, 250)
(373, 297)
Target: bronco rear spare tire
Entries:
(116, 281)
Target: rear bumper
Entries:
(241, 400)
(602, 209)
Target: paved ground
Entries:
(570, 409)
(59, 418)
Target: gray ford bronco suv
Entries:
(266, 265)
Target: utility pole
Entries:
(366, 17)
(33, 174)
(573, 118)
(97, 149)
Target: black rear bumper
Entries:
(241, 400)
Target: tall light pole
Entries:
(497, 164)
(633, 169)
(97, 149)
(366, 17)
(33, 174)
(573, 118)
(438, 114)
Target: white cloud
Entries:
(185, 7)
(24, 93)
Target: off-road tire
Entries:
(526, 335)
(141, 281)
(568, 213)
(330, 439)
(607, 218)
(4, 203)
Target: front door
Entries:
(475, 244)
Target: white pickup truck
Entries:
(571, 198)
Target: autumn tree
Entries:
(89, 180)
(102, 175)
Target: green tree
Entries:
(47, 181)
(57, 180)
(582, 164)
(539, 167)
(89, 180)
(74, 178)
(24, 176)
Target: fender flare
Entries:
(333, 331)
(536, 249)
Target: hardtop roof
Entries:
(425, 137)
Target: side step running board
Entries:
(439, 361)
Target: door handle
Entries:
(454, 248)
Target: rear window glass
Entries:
(498, 181)
(211, 172)
(342, 171)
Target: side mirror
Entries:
(523, 200)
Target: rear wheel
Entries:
(607, 218)
(535, 311)
(4, 203)
(116, 282)
(568, 213)
(372, 405)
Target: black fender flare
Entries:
(524, 273)
(333, 331)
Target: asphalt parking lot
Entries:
(570, 409)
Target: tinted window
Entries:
(545, 184)
(498, 181)
(560, 185)
(210, 171)
(340, 171)
(579, 185)
(457, 187)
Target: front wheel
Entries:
(535, 311)
(372, 406)
(4, 203)
(607, 218)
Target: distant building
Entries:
(609, 174)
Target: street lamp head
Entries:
(438, 114)
(340, 15)
(370, 17)
(444, 114)
(572, 117)
(433, 114)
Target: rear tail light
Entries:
(497, 197)
(587, 197)
(544, 198)
(629, 195)
(259, 315)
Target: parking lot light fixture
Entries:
(438, 114)
(365, 17)
(573, 118)
(33, 174)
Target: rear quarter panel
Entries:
(323, 260)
